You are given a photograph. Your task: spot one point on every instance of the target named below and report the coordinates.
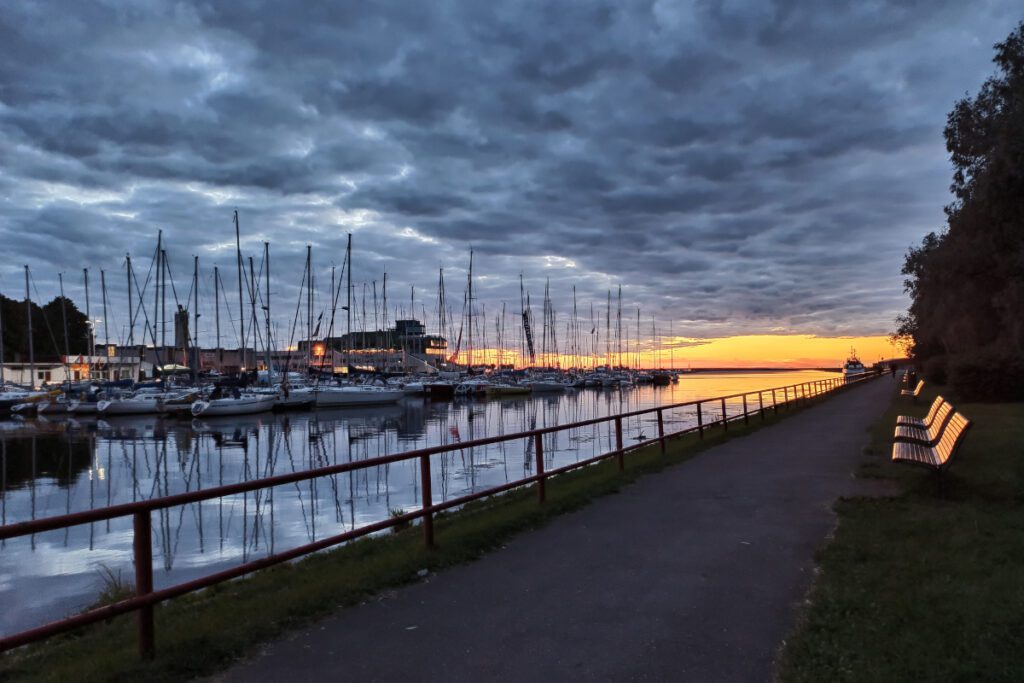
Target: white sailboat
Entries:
(334, 396)
(242, 404)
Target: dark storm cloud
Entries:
(744, 167)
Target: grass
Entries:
(915, 587)
(204, 632)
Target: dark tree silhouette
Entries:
(47, 330)
(967, 283)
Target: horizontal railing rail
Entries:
(146, 597)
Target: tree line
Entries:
(965, 323)
(47, 330)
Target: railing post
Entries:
(775, 403)
(700, 422)
(785, 397)
(618, 443)
(538, 448)
(746, 416)
(725, 418)
(661, 430)
(428, 501)
(760, 404)
(142, 544)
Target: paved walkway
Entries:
(692, 574)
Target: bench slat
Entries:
(930, 434)
(939, 455)
(927, 421)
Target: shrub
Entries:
(935, 370)
(988, 376)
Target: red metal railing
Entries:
(145, 597)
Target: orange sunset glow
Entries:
(747, 351)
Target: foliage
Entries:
(967, 284)
(114, 588)
(988, 375)
(47, 330)
(399, 526)
(935, 369)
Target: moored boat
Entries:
(853, 368)
(334, 396)
(240, 404)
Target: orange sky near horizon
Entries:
(762, 351)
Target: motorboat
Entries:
(853, 368)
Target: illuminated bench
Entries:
(930, 429)
(918, 422)
(938, 454)
(907, 393)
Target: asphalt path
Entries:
(695, 573)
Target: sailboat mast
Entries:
(195, 319)
(241, 302)
(348, 307)
(64, 321)
(31, 348)
(266, 270)
(106, 332)
(89, 345)
(470, 309)
(216, 315)
(252, 306)
(163, 298)
(309, 307)
(131, 308)
(618, 326)
(156, 291)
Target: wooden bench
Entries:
(907, 393)
(928, 431)
(928, 419)
(938, 454)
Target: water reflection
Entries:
(50, 466)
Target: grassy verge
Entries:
(202, 633)
(920, 588)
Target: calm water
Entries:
(50, 467)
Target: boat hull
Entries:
(246, 405)
(355, 396)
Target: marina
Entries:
(54, 466)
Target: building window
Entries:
(43, 375)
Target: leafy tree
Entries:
(967, 283)
(47, 330)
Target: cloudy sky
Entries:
(739, 168)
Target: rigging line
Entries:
(298, 308)
(337, 293)
(147, 327)
(224, 298)
(46, 320)
(167, 267)
(134, 315)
